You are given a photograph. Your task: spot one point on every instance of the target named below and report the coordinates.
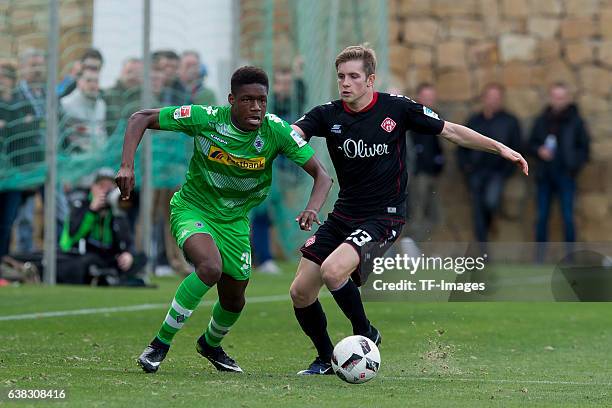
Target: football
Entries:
(356, 359)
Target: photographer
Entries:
(96, 239)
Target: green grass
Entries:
(433, 354)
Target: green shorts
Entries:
(231, 238)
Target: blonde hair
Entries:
(359, 53)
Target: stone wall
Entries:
(25, 24)
(526, 45)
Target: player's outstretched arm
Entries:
(471, 139)
(318, 195)
(136, 126)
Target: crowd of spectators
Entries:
(89, 115)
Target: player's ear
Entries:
(370, 80)
(230, 99)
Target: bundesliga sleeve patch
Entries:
(297, 138)
(182, 112)
(430, 113)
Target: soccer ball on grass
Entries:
(356, 359)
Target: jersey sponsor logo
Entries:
(430, 113)
(388, 124)
(337, 129)
(258, 143)
(182, 112)
(221, 156)
(297, 138)
(353, 149)
(310, 241)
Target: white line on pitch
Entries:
(498, 381)
(134, 308)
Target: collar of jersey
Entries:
(365, 109)
(242, 132)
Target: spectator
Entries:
(560, 142)
(173, 92)
(91, 58)
(26, 141)
(84, 114)
(192, 75)
(123, 99)
(96, 234)
(9, 199)
(428, 162)
(289, 95)
(485, 173)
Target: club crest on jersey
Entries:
(310, 241)
(388, 124)
(182, 112)
(258, 143)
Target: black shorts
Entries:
(371, 237)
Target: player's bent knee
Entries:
(333, 275)
(301, 296)
(208, 272)
(233, 304)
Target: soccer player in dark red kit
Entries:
(365, 133)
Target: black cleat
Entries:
(151, 358)
(217, 356)
(374, 335)
(318, 367)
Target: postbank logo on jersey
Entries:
(221, 156)
(388, 124)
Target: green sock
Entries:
(220, 324)
(186, 299)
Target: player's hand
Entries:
(125, 180)
(516, 158)
(306, 218)
(98, 198)
(125, 261)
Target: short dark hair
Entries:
(494, 85)
(248, 75)
(559, 84)
(92, 53)
(424, 85)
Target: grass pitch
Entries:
(433, 354)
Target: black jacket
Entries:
(105, 233)
(27, 133)
(428, 154)
(503, 127)
(573, 141)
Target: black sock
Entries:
(314, 323)
(349, 300)
(157, 343)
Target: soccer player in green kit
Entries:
(230, 173)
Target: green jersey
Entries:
(230, 171)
